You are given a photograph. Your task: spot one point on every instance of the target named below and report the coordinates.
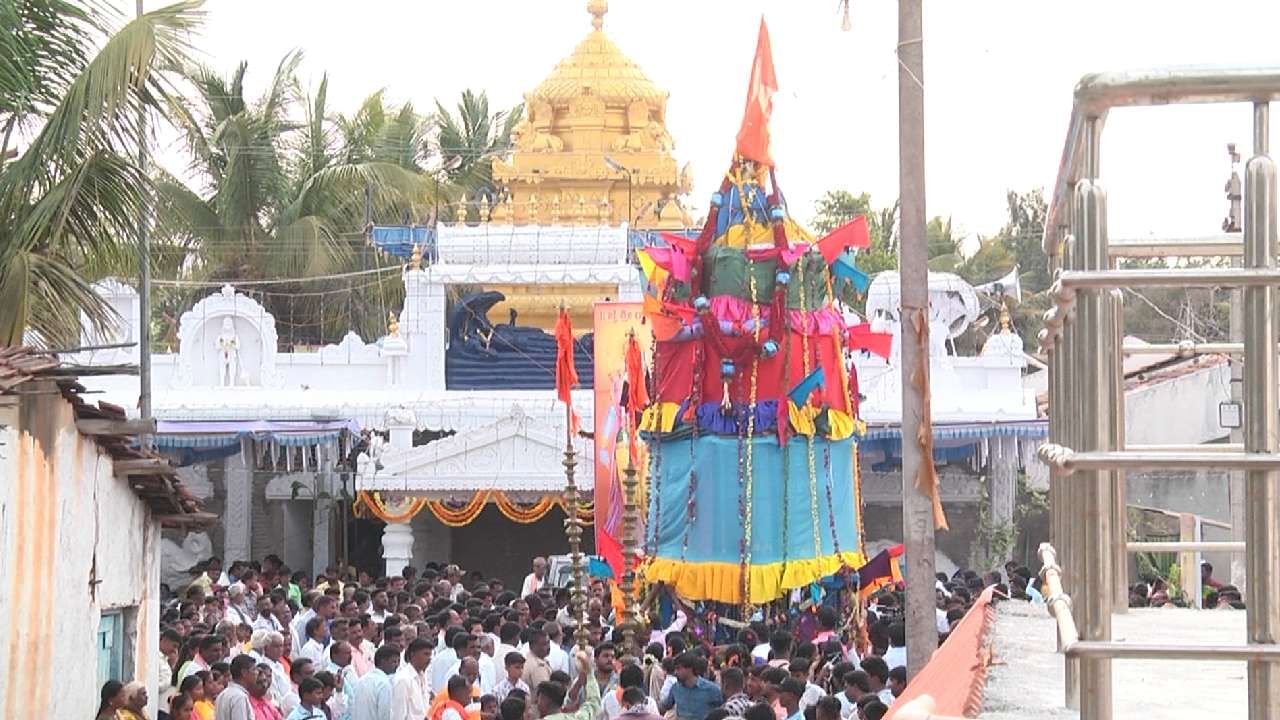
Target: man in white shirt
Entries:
(266, 619)
(897, 654)
(444, 660)
(313, 648)
(326, 606)
(238, 609)
(611, 705)
(370, 699)
(268, 647)
(558, 658)
(534, 580)
(508, 642)
(485, 675)
(410, 691)
(233, 701)
(210, 651)
(799, 669)
(378, 611)
(340, 655)
(301, 669)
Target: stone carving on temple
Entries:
(228, 354)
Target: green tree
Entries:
(944, 247)
(837, 207)
(1021, 244)
(282, 197)
(468, 143)
(71, 196)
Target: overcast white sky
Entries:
(998, 79)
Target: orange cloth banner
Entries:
(951, 683)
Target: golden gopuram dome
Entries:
(593, 147)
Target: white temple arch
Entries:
(201, 335)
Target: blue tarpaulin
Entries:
(398, 240)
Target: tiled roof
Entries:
(152, 477)
(20, 364)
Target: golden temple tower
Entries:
(593, 148)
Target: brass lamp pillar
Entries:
(573, 529)
(630, 549)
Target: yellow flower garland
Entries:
(371, 503)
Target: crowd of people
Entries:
(255, 641)
(1154, 592)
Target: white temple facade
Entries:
(267, 437)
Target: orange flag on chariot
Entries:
(753, 136)
(566, 372)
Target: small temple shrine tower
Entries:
(593, 148)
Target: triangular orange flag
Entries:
(753, 137)
(566, 371)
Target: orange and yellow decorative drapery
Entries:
(453, 514)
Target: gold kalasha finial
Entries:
(1006, 323)
(415, 257)
(597, 8)
(393, 325)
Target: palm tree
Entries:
(470, 141)
(282, 197)
(72, 194)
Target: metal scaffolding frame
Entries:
(1083, 334)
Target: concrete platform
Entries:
(1026, 681)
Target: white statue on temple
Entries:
(228, 354)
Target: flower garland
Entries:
(831, 508)
(455, 516)
(655, 503)
(654, 516)
(813, 474)
(372, 501)
(524, 513)
(458, 515)
(826, 454)
(748, 481)
(586, 510)
(691, 508)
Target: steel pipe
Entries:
(1095, 363)
(1143, 651)
(1208, 447)
(1228, 547)
(1186, 348)
(1228, 245)
(1189, 277)
(1261, 374)
(1070, 461)
(1119, 485)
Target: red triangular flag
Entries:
(753, 136)
(851, 234)
(861, 337)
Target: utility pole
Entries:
(144, 280)
(917, 506)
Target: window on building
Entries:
(116, 637)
